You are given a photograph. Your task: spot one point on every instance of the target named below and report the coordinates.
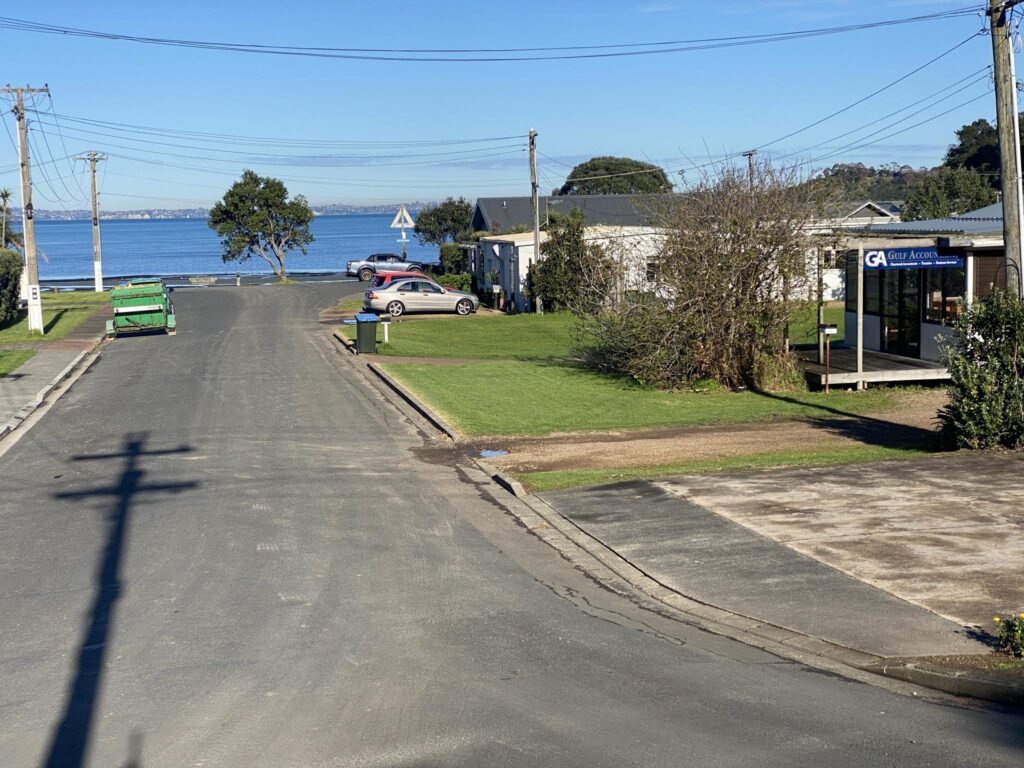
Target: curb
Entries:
(959, 683)
(29, 408)
(619, 575)
(435, 421)
(346, 343)
(419, 407)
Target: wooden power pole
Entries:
(35, 306)
(97, 259)
(1006, 117)
(535, 199)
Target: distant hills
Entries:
(331, 209)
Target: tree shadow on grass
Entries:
(70, 741)
(868, 430)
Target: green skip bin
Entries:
(143, 304)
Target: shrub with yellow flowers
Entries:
(1010, 633)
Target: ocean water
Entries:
(189, 247)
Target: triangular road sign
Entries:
(402, 219)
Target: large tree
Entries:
(256, 218)
(615, 176)
(735, 252)
(442, 225)
(977, 148)
(947, 192)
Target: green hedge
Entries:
(459, 281)
(10, 285)
(986, 363)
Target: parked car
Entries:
(418, 295)
(366, 268)
(381, 279)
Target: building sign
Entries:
(909, 258)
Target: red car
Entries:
(383, 278)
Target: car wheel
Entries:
(365, 274)
(396, 308)
(416, 268)
(464, 306)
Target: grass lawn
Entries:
(352, 303)
(804, 327)
(532, 398)
(479, 337)
(62, 313)
(577, 478)
(13, 358)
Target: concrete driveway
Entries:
(945, 533)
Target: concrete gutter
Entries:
(623, 577)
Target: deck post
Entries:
(860, 316)
(968, 278)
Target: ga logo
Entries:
(875, 259)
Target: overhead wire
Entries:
(814, 124)
(60, 133)
(462, 55)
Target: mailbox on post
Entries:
(828, 330)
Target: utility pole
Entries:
(97, 260)
(35, 306)
(749, 154)
(536, 212)
(1007, 119)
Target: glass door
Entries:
(901, 312)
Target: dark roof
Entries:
(984, 221)
(502, 214)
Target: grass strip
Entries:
(539, 482)
(482, 337)
(12, 359)
(532, 399)
(62, 313)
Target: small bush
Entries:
(459, 281)
(985, 359)
(10, 285)
(452, 258)
(1010, 633)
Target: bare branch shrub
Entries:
(735, 251)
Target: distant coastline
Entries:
(333, 209)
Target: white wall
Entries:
(931, 336)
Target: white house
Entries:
(503, 261)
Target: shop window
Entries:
(944, 294)
(872, 279)
(989, 275)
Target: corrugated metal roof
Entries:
(984, 221)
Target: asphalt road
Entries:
(222, 549)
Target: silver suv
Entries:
(366, 268)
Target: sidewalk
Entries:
(21, 390)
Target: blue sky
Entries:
(677, 109)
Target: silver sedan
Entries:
(417, 295)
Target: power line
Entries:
(848, 107)
(270, 140)
(248, 154)
(461, 55)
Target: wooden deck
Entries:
(879, 368)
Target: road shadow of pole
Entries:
(71, 737)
